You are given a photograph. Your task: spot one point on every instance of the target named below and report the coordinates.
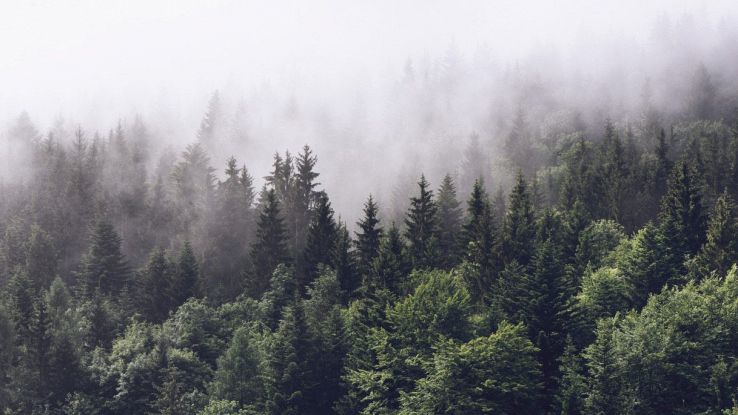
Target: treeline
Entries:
(603, 282)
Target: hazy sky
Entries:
(72, 57)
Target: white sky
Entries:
(66, 57)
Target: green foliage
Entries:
(104, 268)
(269, 248)
(449, 223)
(493, 374)
(422, 227)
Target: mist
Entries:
(381, 91)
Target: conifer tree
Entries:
(720, 250)
(681, 219)
(231, 229)
(518, 233)
(288, 391)
(238, 377)
(103, 267)
(391, 265)
(449, 223)
(41, 258)
(479, 240)
(321, 240)
(186, 277)
(270, 248)
(603, 396)
(368, 237)
(210, 122)
(153, 287)
(305, 199)
(344, 262)
(421, 227)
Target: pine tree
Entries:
(368, 237)
(41, 258)
(305, 197)
(572, 388)
(270, 248)
(238, 377)
(153, 287)
(231, 229)
(103, 267)
(391, 265)
(518, 233)
(421, 227)
(449, 223)
(681, 219)
(720, 251)
(209, 127)
(344, 263)
(287, 391)
(603, 396)
(186, 277)
(479, 241)
(321, 240)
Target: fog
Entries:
(381, 90)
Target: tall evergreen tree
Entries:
(518, 234)
(287, 388)
(720, 250)
(368, 237)
(449, 223)
(185, 278)
(321, 240)
(421, 227)
(103, 267)
(479, 240)
(681, 219)
(41, 258)
(344, 262)
(270, 247)
(153, 287)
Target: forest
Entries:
(464, 237)
(603, 281)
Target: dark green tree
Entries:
(720, 250)
(153, 287)
(518, 234)
(421, 228)
(41, 258)
(103, 267)
(321, 240)
(185, 278)
(368, 237)
(449, 223)
(270, 248)
(681, 219)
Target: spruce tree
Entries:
(321, 240)
(103, 267)
(681, 219)
(41, 258)
(421, 227)
(449, 223)
(270, 247)
(186, 277)
(209, 127)
(479, 241)
(391, 265)
(290, 354)
(153, 287)
(720, 250)
(368, 237)
(344, 262)
(518, 234)
(603, 396)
